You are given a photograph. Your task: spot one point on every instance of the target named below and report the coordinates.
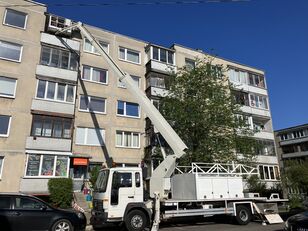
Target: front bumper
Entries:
(98, 218)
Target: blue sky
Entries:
(268, 34)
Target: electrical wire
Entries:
(176, 2)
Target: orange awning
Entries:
(80, 161)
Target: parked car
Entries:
(19, 212)
(298, 222)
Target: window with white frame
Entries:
(10, 51)
(268, 172)
(55, 91)
(190, 63)
(265, 148)
(163, 55)
(258, 101)
(128, 109)
(94, 74)
(92, 104)
(5, 123)
(59, 58)
(90, 136)
(136, 81)
(129, 55)
(1, 165)
(89, 48)
(7, 87)
(47, 165)
(127, 139)
(238, 76)
(15, 18)
(256, 80)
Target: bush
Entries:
(94, 174)
(61, 192)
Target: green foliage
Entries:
(61, 192)
(255, 185)
(295, 202)
(94, 174)
(295, 175)
(202, 109)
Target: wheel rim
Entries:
(243, 215)
(136, 222)
(62, 226)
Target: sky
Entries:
(271, 35)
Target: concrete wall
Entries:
(13, 147)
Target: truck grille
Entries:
(98, 205)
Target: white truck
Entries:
(200, 190)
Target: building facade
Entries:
(63, 110)
(292, 145)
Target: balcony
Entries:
(47, 143)
(248, 88)
(34, 185)
(294, 141)
(57, 73)
(267, 159)
(52, 106)
(256, 111)
(264, 135)
(154, 65)
(60, 42)
(156, 91)
(294, 155)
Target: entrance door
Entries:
(122, 193)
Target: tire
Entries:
(243, 215)
(135, 221)
(62, 225)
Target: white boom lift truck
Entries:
(202, 190)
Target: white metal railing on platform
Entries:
(217, 169)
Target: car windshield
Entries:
(101, 182)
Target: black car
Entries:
(298, 222)
(23, 212)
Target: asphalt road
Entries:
(208, 226)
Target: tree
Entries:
(61, 192)
(203, 111)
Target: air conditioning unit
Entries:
(55, 23)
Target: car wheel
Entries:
(243, 215)
(135, 221)
(62, 225)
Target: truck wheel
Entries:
(243, 215)
(135, 221)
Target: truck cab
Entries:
(117, 192)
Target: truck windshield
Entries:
(101, 182)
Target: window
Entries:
(1, 167)
(129, 55)
(53, 127)
(27, 204)
(10, 51)
(5, 202)
(128, 139)
(190, 64)
(156, 80)
(241, 98)
(292, 148)
(92, 104)
(136, 81)
(137, 179)
(59, 58)
(256, 80)
(55, 91)
(265, 147)
(163, 55)
(128, 109)
(5, 123)
(269, 172)
(15, 18)
(90, 136)
(95, 74)
(258, 101)
(7, 87)
(298, 134)
(47, 165)
(238, 76)
(89, 48)
(57, 22)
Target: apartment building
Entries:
(63, 110)
(250, 90)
